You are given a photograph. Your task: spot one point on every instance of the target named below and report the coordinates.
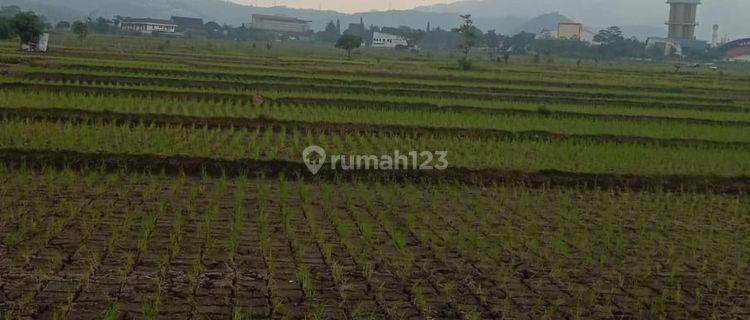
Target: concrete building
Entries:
(187, 23)
(357, 29)
(738, 49)
(148, 25)
(279, 24)
(384, 40)
(682, 19)
(569, 30)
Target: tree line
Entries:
(608, 43)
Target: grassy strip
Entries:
(195, 166)
(362, 112)
(627, 79)
(229, 80)
(260, 123)
(72, 98)
(524, 96)
(577, 156)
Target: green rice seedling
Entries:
(342, 229)
(235, 231)
(399, 239)
(236, 227)
(327, 251)
(298, 246)
(148, 224)
(277, 301)
(127, 264)
(368, 270)
(175, 236)
(240, 314)
(152, 303)
(286, 217)
(367, 231)
(361, 313)
(420, 301)
(113, 312)
(339, 276)
(195, 271)
(305, 279)
(63, 311)
(315, 311)
(27, 252)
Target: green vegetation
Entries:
(80, 29)
(348, 43)
(139, 186)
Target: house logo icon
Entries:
(314, 157)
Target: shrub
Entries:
(465, 64)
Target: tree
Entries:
(609, 36)
(62, 26)
(469, 34)
(100, 25)
(439, 39)
(28, 26)
(349, 42)
(6, 29)
(81, 29)
(494, 40)
(614, 44)
(520, 43)
(573, 48)
(330, 34)
(213, 29)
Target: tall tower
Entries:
(715, 36)
(682, 19)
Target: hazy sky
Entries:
(348, 6)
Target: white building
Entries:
(279, 24)
(384, 40)
(148, 25)
(40, 45)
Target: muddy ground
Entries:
(370, 250)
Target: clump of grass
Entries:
(113, 313)
(305, 279)
(420, 301)
(153, 302)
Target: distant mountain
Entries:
(637, 17)
(225, 12)
(543, 22)
(641, 18)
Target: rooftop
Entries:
(278, 18)
(684, 1)
(149, 20)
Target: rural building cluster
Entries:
(148, 26)
(552, 35)
(279, 24)
(279, 27)
(681, 25)
(176, 26)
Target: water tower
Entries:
(715, 36)
(682, 19)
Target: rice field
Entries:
(144, 182)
